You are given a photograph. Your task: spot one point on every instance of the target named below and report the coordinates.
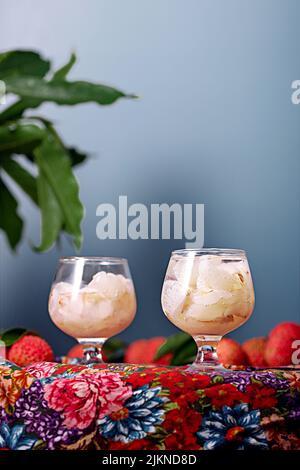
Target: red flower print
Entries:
(183, 387)
(182, 424)
(138, 444)
(41, 370)
(86, 397)
(140, 378)
(187, 442)
(261, 396)
(224, 394)
(176, 420)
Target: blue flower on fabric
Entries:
(138, 417)
(235, 428)
(15, 438)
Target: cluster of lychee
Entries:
(275, 350)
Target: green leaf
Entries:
(76, 156)
(54, 164)
(9, 337)
(185, 353)
(63, 92)
(51, 214)
(114, 344)
(16, 110)
(172, 344)
(114, 349)
(10, 221)
(22, 177)
(61, 73)
(22, 63)
(20, 138)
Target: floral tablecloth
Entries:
(117, 406)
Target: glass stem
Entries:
(92, 349)
(207, 351)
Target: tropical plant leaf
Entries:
(10, 221)
(62, 73)
(63, 92)
(22, 177)
(20, 138)
(22, 63)
(16, 110)
(185, 353)
(172, 344)
(51, 214)
(9, 337)
(114, 344)
(54, 164)
(76, 156)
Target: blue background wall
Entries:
(215, 125)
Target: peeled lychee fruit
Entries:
(230, 352)
(255, 351)
(279, 348)
(143, 351)
(30, 349)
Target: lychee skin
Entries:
(255, 351)
(230, 352)
(76, 352)
(30, 349)
(279, 345)
(143, 351)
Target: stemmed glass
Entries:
(92, 299)
(207, 293)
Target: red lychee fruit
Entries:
(143, 351)
(255, 351)
(76, 352)
(279, 346)
(230, 352)
(30, 349)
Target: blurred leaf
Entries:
(61, 73)
(114, 349)
(22, 177)
(76, 156)
(22, 63)
(63, 92)
(172, 344)
(51, 214)
(10, 221)
(114, 344)
(20, 138)
(17, 109)
(54, 164)
(183, 355)
(9, 337)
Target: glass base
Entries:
(207, 357)
(92, 349)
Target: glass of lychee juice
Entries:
(208, 293)
(92, 299)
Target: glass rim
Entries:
(94, 259)
(210, 251)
